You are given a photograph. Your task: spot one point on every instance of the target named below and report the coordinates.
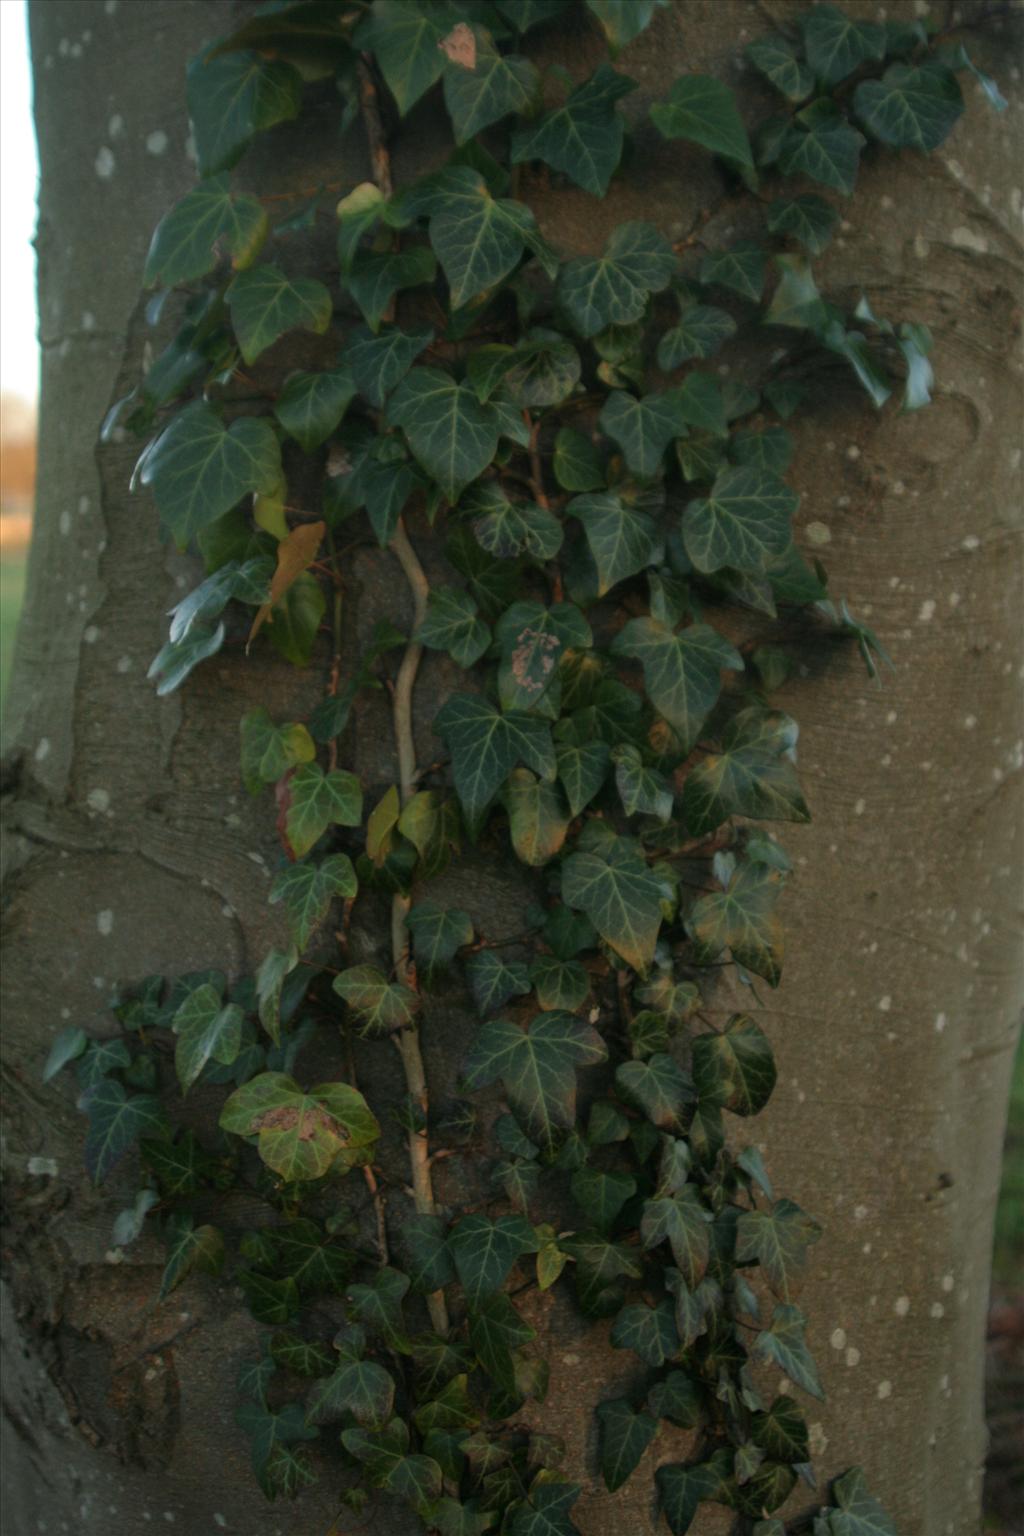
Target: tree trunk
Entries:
(131, 848)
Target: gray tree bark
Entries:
(131, 848)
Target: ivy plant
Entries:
(604, 493)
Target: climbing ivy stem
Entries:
(408, 1040)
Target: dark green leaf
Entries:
(736, 1068)
(437, 933)
(559, 983)
(583, 137)
(477, 238)
(836, 45)
(538, 819)
(359, 1387)
(857, 1513)
(682, 672)
(782, 1431)
(427, 1258)
(376, 278)
(649, 1331)
(546, 1513)
(677, 1398)
(910, 108)
(452, 624)
(537, 1067)
(312, 404)
(745, 780)
(307, 891)
(620, 895)
(625, 1435)
(232, 97)
(743, 919)
(703, 110)
(741, 268)
(302, 1356)
(808, 219)
(682, 1488)
(778, 1240)
(199, 469)
(578, 465)
(317, 800)
(485, 1251)
(682, 1221)
(642, 428)
(743, 523)
(264, 304)
(404, 37)
(613, 289)
(116, 1121)
(452, 435)
(826, 149)
(496, 1332)
(317, 1264)
(701, 331)
(378, 1306)
(481, 85)
(269, 750)
(777, 59)
(601, 1196)
(270, 1301)
(506, 529)
(659, 1087)
(381, 1006)
(622, 20)
(207, 220)
(378, 363)
(485, 746)
(784, 1344)
(623, 539)
(190, 1247)
(207, 1028)
(493, 980)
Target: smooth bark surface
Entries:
(131, 847)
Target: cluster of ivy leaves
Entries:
(602, 492)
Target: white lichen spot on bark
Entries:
(105, 163)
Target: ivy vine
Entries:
(604, 495)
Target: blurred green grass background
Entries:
(1008, 1254)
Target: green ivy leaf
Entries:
(622, 20)
(660, 1088)
(232, 97)
(701, 332)
(642, 428)
(493, 980)
(427, 1258)
(735, 1069)
(378, 363)
(822, 145)
(264, 304)
(317, 800)
(404, 37)
(488, 89)
(577, 462)
(537, 1068)
(808, 219)
(180, 1166)
(307, 891)
(208, 219)
(506, 529)
(743, 919)
(316, 1264)
(300, 1355)
(207, 1029)
(300, 1135)
(559, 984)
(542, 370)
(582, 769)
(626, 1432)
(836, 45)
(199, 469)
(744, 522)
(376, 278)
(782, 1431)
(741, 268)
(359, 1387)
(477, 238)
(746, 779)
(378, 1307)
(311, 405)
(601, 1196)
(452, 624)
(778, 60)
(641, 789)
(452, 435)
(486, 746)
(682, 672)
(910, 108)
(857, 1513)
(533, 640)
(613, 289)
(784, 1344)
(583, 137)
(623, 538)
(538, 819)
(496, 1332)
(649, 1331)
(681, 1488)
(620, 895)
(677, 1398)
(190, 1247)
(437, 934)
(381, 1006)
(778, 1240)
(485, 1250)
(116, 1121)
(269, 750)
(546, 1513)
(771, 450)
(278, 1467)
(703, 110)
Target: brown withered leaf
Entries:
(459, 47)
(295, 554)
